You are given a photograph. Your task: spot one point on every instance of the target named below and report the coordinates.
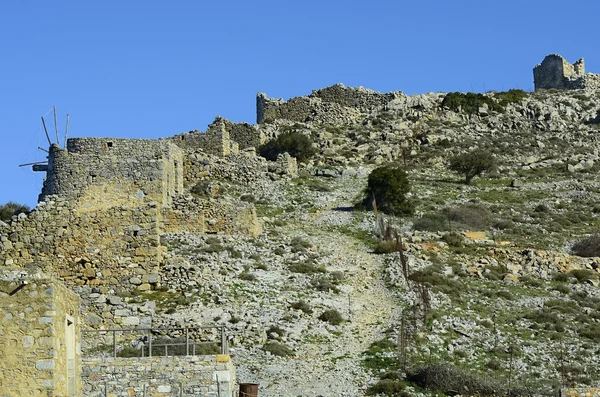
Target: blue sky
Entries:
(150, 69)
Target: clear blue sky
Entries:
(154, 68)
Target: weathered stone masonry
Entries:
(159, 376)
(150, 167)
(40, 349)
(331, 105)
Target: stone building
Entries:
(40, 352)
(557, 73)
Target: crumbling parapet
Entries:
(332, 105)
(555, 72)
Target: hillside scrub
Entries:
(471, 102)
(297, 145)
(588, 247)
(11, 208)
(387, 188)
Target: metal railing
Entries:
(148, 344)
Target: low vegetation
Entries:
(387, 189)
(10, 209)
(296, 144)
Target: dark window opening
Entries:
(109, 144)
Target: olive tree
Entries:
(472, 164)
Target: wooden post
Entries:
(46, 131)
(66, 131)
(56, 127)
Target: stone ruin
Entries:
(557, 73)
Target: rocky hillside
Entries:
(480, 286)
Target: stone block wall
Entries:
(40, 349)
(159, 377)
(244, 167)
(332, 105)
(152, 167)
(87, 242)
(244, 134)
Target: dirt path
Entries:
(332, 367)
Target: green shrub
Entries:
(453, 239)
(278, 349)
(510, 96)
(588, 247)
(246, 276)
(590, 331)
(11, 208)
(388, 186)
(299, 244)
(431, 222)
(302, 306)
(583, 274)
(472, 215)
(306, 267)
(448, 379)
(275, 329)
(469, 102)
(297, 145)
(332, 317)
(323, 284)
(388, 387)
(472, 164)
(560, 277)
(386, 247)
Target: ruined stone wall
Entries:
(40, 336)
(244, 167)
(223, 216)
(555, 72)
(132, 166)
(159, 376)
(216, 140)
(244, 134)
(92, 241)
(332, 105)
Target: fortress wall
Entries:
(359, 98)
(159, 376)
(35, 348)
(87, 243)
(332, 105)
(131, 166)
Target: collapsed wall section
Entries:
(40, 335)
